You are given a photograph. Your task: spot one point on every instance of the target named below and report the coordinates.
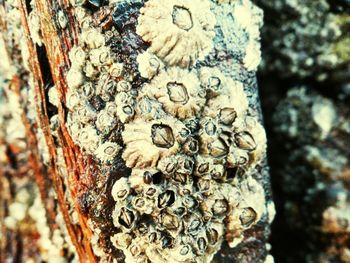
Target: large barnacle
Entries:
(147, 142)
(187, 30)
(179, 92)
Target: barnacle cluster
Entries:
(182, 128)
(97, 92)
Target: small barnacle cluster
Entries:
(97, 91)
(182, 129)
(160, 219)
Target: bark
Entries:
(56, 196)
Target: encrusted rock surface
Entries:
(154, 132)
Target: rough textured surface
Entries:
(149, 137)
(307, 39)
(305, 96)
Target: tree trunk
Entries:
(130, 132)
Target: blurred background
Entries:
(304, 82)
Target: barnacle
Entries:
(186, 33)
(249, 144)
(150, 109)
(228, 99)
(121, 189)
(88, 139)
(147, 142)
(179, 92)
(105, 121)
(149, 65)
(107, 151)
(211, 141)
(248, 211)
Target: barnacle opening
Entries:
(182, 17)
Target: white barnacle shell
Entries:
(88, 139)
(116, 70)
(105, 121)
(252, 138)
(89, 70)
(75, 78)
(252, 57)
(149, 109)
(121, 240)
(92, 38)
(186, 32)
(250, 19)
(149, 65)
(77, 56)
(34, 27)
(123, 86)
(231, 103)
(53, 96)
(121, 189)
(100, 56)
(107, 151)
(85, 114)
(73, 127)
(147, 142)
(73, 100)
(252, 204)
(179, 92)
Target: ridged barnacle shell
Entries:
(116, 70)
(75, 78)
(105, 121)
(121, 240)
(149, 65)
(73, 100)
(88, 139)
(92, 38)
(186, 33)
(147, 142)
(252, 204)
(125, 218)
(249, 143)
(149, 109)
(121, 189)
(85, 114)
(210, 139)
(100, 56)
(230, 103)
(179, 92)
(107, 151)
(77, 56)
(247, 212)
